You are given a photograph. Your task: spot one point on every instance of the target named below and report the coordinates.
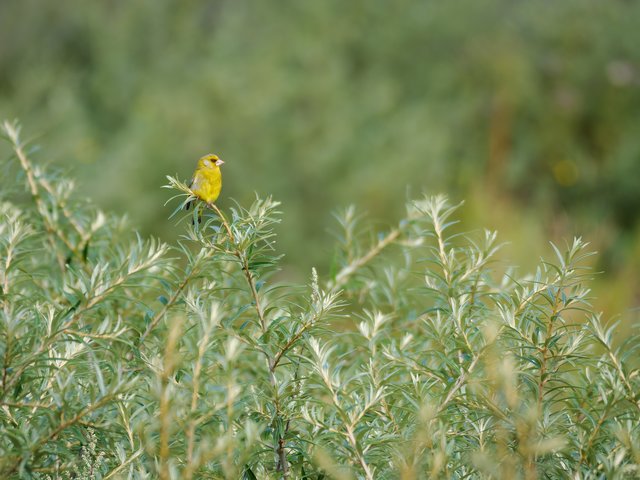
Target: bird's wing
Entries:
(196, 182)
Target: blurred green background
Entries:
(527, 110)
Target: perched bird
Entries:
(207, 179)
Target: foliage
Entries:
(128, 358)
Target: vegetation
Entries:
(417, 357)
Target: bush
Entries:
(128, 358)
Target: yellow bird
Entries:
(207, 179)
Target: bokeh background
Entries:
(527, 110)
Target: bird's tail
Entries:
(188, 206)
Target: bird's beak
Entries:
(219, 162)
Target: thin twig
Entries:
(13, 134)
(165, 400)
(190, 467)
(343, 275)
(35, 184)
(174, 297)
(244, 261)
(283, 465)
(223, 219)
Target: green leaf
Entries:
(248, 474)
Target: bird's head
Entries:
(209, 161)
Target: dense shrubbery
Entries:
(128, 358)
